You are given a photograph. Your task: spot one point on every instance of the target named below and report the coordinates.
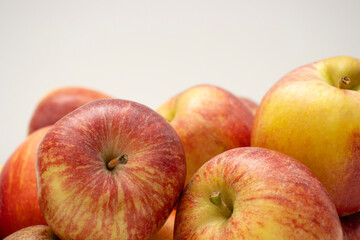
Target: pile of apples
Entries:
(206, 164)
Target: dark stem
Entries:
(344, 82)
(123, 159)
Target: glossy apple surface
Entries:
(19, 206)
(255, 193)
(37, 232)
(209, 120)
(60, 102)
(311, 114)
(84, 195)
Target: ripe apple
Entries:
(351, 226)
(311, 115)
(166, 232)
(255, 193)
(37, 232)
(250, 104)
(111, 169)
(19, 206)
(209, 120)
(60, 102)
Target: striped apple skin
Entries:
(82, 199)
(209, 120)
(272, 196)
(19, 206)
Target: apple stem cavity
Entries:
(216, 199)
(344, 82)
(123, 159)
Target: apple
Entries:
(37, 232)
(255, 193)
(209, 120)
(166, 232)
(111, 169)
(251, 104)
(60, 102)
(311, 115)
(19, 206)
(351, 226)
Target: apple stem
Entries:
(215, 198)
(344, 82)
(118, 160)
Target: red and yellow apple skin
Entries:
(308, 117)
(60, 102)
(267, 195)
(37, 232)
(19, 206)
(167, 230)
(82, 198)
(351, 226)
(250, 104)
(209, 120)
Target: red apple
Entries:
(60, 102)
(111, 169)
(251, 104)
(37, 232)
(311, 115)
(19, 206)
(255, 193)
(351, 226)
(209, 120)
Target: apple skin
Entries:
(308, 117)
(351, 226)
(272, 196)
(167, 230)
(251, 104)
(60, 102)
(19, 206)
(209, 120)
(82, 199)
(37, 232)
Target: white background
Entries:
(147, 51)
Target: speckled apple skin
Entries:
(272, 196)
(37, 232)
(306, 116)
(82, 199)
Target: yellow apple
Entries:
(312, 115)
